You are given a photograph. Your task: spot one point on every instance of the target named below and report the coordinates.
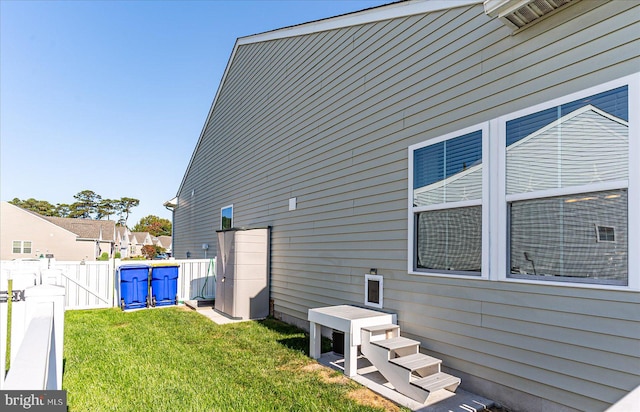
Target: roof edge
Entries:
(371, 15)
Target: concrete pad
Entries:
(211, 313)
(439, 401)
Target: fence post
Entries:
(115, 282)
(4, 299)
(55, 294)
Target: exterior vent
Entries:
(518, 13)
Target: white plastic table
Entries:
(347, 319)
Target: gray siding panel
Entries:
(328, 117)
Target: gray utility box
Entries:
(242, 273)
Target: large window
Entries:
(567, 173)
(446, 210)
(550, 193)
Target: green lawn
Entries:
(173, 359)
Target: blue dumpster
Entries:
(164, 284)
(134, 286)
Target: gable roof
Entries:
(164, 241)
(83, 228)
(86, 228)
(140, 237)
(122, 230)
(370, 15)
(122, 234)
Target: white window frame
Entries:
(495, 200)
(613, 229)
(22, 247)
(484, 202)
(500, 242)
(222, 209)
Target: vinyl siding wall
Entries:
(328, 117)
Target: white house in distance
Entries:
(137, 241)
(123, 239)
(484, 157)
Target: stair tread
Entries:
(415, 361)
(395, 343)
(436, 381)
(379, 328)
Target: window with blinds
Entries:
(567, 172)
(545, 194)
(447, 204)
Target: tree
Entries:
(106, 208)
(39, 206)
(123, 208)
(151, 251)
(87, 203)
(155, 225)
(62, 210)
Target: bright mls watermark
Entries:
(46, 401)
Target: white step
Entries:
(379, 332)
(381, 328)
(399, 360)
(418, 363)
(396, 343)
(437, 381)
(398, 346)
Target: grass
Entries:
(173, 359)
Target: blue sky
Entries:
(111, 96)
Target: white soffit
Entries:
(518, 13)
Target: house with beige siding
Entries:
(137, 241)
(25, 234)
(483, 157)
(164, 242)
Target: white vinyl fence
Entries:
(92, 285)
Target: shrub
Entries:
(104, 256)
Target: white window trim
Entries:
(495, 199)
(223, 208)
(597, 230)
(501, 247)
(484, 272)
(22, 242)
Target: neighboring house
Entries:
(137, 240)
(26, 234)
(487, 167)
(164, 242)
(123, 238)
